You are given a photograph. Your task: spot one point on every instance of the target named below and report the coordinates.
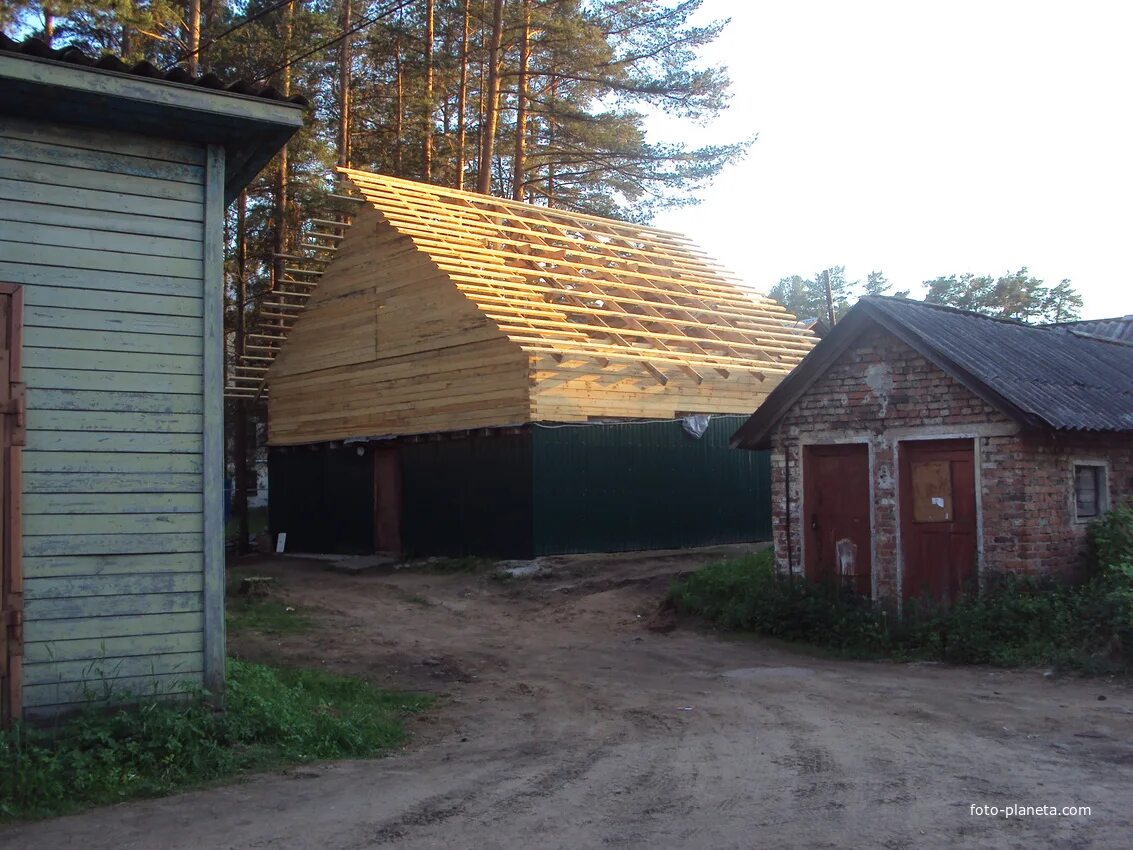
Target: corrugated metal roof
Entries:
(39, 49)
(1116, 329)
(1067, 380)
(1064, 377)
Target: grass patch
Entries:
(265, 613)
(1013, 621)
(467, 564)
(272, 717)
(414, 599)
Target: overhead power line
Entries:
(241, 23)
(385, 13)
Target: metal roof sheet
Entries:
(39, 49)
(1066, 377)
(1117, 329)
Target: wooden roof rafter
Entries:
(472, 232)
(280, 307)
(571, 285)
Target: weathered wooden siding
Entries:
(387, 345)
(106, 233)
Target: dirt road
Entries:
(570, 724)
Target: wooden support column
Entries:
(213, 426)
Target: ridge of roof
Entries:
(71, 54)
(519, 206)
(948, 308)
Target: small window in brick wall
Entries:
(1089, 490)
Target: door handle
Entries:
(814, 522)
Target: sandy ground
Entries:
(566, 722)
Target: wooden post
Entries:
(240, 429)
(213, 426)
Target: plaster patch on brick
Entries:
(879, 379)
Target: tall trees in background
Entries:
(544, 100)
(1017, 295)
(810, 298)
(539, 99)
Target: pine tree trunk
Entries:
(491, 102)
(551, 143)
(519, 159)
(240, 428)
(194, 35)
(462, 99)
(481, 92)
(427, 147)
(399, 128)
(344, 62)
(281, 178)
(48, 26)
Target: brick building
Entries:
(919, 448)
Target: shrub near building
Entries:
(1015, 620)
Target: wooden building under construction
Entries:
(474, 375)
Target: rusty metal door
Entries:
(387, 500)
(938, 517)
(836, 515)
(11, 576)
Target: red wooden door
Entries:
(836, 515)
(11, 574)
(938, 517)
(387, 501)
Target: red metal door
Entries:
(11, 574)
(938, 517)
(387, 501)
(836, 515)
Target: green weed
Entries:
(262, 613)
(272, 717)
(468, 564)
(1012, 621)
(267, 615)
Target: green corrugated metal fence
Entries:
(648, 485)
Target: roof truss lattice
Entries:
(568, 285)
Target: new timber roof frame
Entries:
(571, 285)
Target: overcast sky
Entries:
(925, 139)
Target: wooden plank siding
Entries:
(106, 233)
(396, 346)
(445, 310)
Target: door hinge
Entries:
(16, 406)
(13, 621)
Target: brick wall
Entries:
(1029, 518)
(883, 392)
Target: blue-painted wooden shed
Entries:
(113, 184)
